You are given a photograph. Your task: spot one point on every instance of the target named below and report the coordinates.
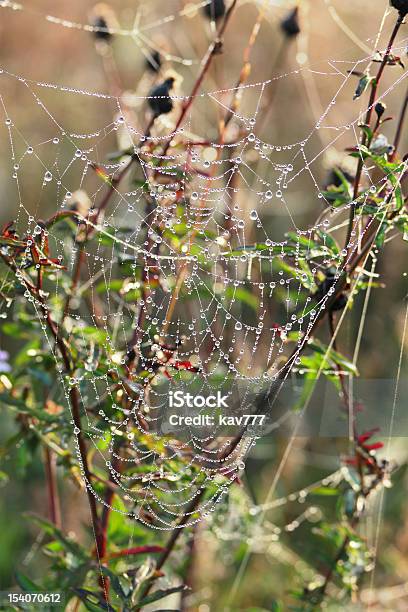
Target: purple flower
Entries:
(4, 364)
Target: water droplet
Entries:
(47, 177)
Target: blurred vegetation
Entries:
(228, 560)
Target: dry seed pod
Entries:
(215, 9)
(380, 108)
(159, 98)
(290, 24)
(103, 20)
(400, 5)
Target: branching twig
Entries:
(364, 139)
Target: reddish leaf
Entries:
(374, 446)
(137, 550)
(366, 435)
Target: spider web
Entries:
(182, 223)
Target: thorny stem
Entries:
(364, 138)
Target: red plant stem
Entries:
(51, 478)
(49, 458)
(136, 550)
(75, 280)
(74, 397)
(364, 139)
(212, 51)
(104, 523)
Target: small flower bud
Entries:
(400, 5)
(290, 24)
(380, 109)
(215, 9)
(153, 62)
(159, 99)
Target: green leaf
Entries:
(11, 242)
(241, 294)
(326, 491)
(115, 582)
(53, 531)
(3, 478)
(333, 356)
(26, 584)
(159, 594)
(92, 601)
(22, 408)
(329, 241)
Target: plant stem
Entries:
(51, 478)
(73, 397)
(190, 571)
(212, 51)
(364, 139)
(174, 536)
(353, 522)
(400, 125)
